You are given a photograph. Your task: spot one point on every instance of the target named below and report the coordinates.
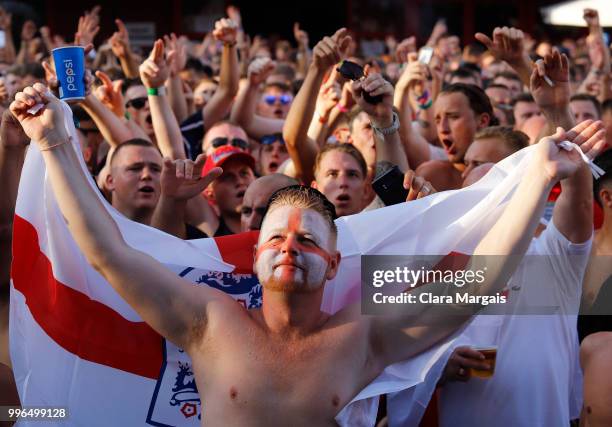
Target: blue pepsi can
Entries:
(70, 69)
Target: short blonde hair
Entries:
(303, 197)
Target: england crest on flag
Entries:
(176, 401)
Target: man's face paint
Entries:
(292, 255)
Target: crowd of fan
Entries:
(276, 115)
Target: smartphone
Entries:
(352, 71)
(389, 186)
(2, 39)
(425, 55)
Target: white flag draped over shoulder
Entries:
(76, 343)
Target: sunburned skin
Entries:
(292, 254)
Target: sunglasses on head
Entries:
(271, 139)
(235, 142)
(137, 103)
(284, 99)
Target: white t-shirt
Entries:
(537, 372)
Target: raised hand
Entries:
(417, 186)
(508, 44)
(415, 73)
(374, 84)
(559, 163)
(226, 31)
(46, 127)
(28, 31)
(259, 70)
(181, 179)
(177, 53)
(331, 50)
(591, 17)
(405, 47)
(88, 27)
(555, 94)
(154, 71)
(120, 40)
(301, 36)
(233, 13)
(109, 93)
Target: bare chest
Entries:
(252, 374)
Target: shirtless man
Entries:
(288, 360)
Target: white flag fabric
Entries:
(75, 343)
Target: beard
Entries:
(308, 275)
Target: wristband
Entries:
(127, 115)
(342, 108)
(321, 118)
(230, 44)
(156, 91)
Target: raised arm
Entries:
(417, 149)
(166, 302)
(573, 212)
(398, 337)
(180, 182)
(508, 45)
(301, 148)
(243, 111)
(385, 122)
(154, 72)
(120, 46)
(177, 58)
(220, 103)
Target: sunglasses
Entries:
(271, 139)
(137, 103)
(284, 99)
(235, 142)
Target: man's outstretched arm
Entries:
(166, 302)
(399, 337)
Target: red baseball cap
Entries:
(225, 153)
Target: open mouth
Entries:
(343, 199)
(147, 189)
(278, 113)
(149, 119)
(449, 146)
(240, 194)
(273, 166)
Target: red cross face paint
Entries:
(292, 254)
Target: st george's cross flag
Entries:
(75, 343)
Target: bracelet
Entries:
(322, 119)
(48, 147)
(395, 124)
(342, 108)
(230, 44)
(127, 115)
(156, 91)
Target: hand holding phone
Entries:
(352, 71)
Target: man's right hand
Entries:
(555, 66)
(154, 71)
(461, 361)
(329, 51)
(46, 127)
(259, 70)
(507, 44)
(181, 179)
